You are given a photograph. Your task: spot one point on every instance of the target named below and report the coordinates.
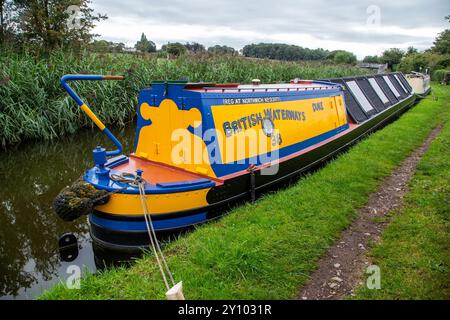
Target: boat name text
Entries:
(251, 120)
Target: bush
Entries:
(392, 57)
(344, 57)
(371, 59)
(440, 74)
(422, 61)
(175, 49)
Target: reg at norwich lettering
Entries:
(253, 119)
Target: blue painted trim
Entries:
(116, 142)
(109, 185)
(116, 161)
(140, 226)
(179, 184)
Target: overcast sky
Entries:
(331, 25)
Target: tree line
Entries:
(433, 60)
(177, 48)
(46, 25)
(281, 51)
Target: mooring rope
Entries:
(138, 182)
(153, 239)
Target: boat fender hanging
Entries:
(78, 199)
(68, 247)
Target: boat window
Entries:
(391, 86)
(378, 90)
(359, 95)
(401, 84)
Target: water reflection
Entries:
(31, 176)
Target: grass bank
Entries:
(414, 255)
(33, 106)
(267, 249)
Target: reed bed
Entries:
(33, 106)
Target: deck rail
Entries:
(243, 90)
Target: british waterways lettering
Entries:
(253, 119)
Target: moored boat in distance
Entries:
(420, 82)
(200, 147)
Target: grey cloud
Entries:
(327, 20)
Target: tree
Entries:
(222, 50)
(371, 59)
(144, 45)
(411, 50)
(442, 43)
(392, 57)
(195, 47)
(119, 47)
(175, 48)
(47, 22)
(342, 56)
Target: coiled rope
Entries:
(137, 181)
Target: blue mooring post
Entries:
(100, 158)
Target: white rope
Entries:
(136, 181)
(153, 239)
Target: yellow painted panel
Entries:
(340, 108)
(129, 204)
(295, 121)
(168, 140)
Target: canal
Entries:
(32, 174)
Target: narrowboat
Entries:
(200, 147)
(420, 83)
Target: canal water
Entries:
(31, 175)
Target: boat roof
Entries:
(293, 85)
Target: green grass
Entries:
(33, 106)
(267, 249)
(414, 255)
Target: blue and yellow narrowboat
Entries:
(201, 147)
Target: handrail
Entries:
(87, 110)
(269, 89)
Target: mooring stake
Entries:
(251, 169)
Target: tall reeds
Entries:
(33, 106)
